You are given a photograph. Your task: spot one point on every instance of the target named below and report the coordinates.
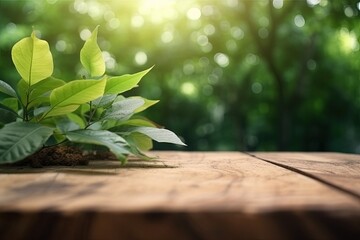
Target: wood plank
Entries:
(339, 169)
(182, 196)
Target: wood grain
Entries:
(200, 195)
(339, 169)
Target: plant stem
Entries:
(25, 108)
(64, 141)
(92, 113)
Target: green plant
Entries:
(43, 111)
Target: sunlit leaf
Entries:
(32, 59)
(141, 141)
(45, 87)
(7, 89)
(77, 92)
(148, 103)
(61, 110)
(122, 110)
(21, 139)
(40, 92)
(120, 84)
(139, 122)
(91, 57)
(77, 119)
(159, 135)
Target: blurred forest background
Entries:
(231, 74)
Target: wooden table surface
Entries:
(187, 195)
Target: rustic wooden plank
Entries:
(182, 196)
(339, 169)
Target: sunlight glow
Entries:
(209, 29)
(167, 36)
(188, 88)
(194, 13)
(137, 21)
(237, 33)
(60, 45)
(158, 10)
(349, 12)
(85, 34)
(222, 59)
(313, 2)
(256, 87)
(348, 41)
(278, 4)
(299, 21)
(140, 58)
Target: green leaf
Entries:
(83, 109)
(141, 141)
(148, 103)
(123, 109)
(40, 92)
(120, 84)
(115, 143)
(7, 89)
(11, 103)
(91, 57)
(45, 87)
(77, 92)
(21, 139)
(77, 119)
(7, 115)
(32, 59)
(41, 110)
(159, 135)
(61, 110)
(139, 122)
(104, 100)
(64, 124)
(22, 90)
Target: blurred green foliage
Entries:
(231, 74)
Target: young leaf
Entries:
(91, 57)
(123, 109)
(60, 110)
(37, 94)
(159, 135)
(77, 119)
(45, 87)
(32, 59)
(77, 92)
(115, 143)
(139, 122)
(21, 139)
(141, 141)
(7, 89)
(148, 103)
(120, 84)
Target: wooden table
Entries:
(183, 195)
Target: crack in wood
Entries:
(309, 175)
